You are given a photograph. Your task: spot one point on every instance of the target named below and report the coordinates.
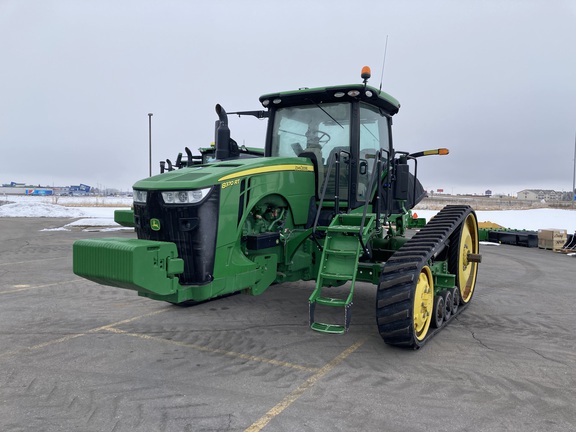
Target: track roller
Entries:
(448, 304)
(455, 292)
(439, 312)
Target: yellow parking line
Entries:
(23, 287)
(299, 391)
(31, 261)
(227, 353)
(53, 342)
(76, 335)
(107, 326)
(112, 328)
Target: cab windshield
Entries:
(318, 129)
(324, 129)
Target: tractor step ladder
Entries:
(339, 263)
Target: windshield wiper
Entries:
(327, 113)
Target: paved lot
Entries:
(76, 356)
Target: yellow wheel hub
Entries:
(423, 303)
(467, 269)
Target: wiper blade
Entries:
(327, 113)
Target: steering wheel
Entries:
(322, 139)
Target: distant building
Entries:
(22, 189)
(540, 195)
(82, 189)
(488, 193)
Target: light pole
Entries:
(150, 143)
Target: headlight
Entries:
(140, 196)
(185, 197)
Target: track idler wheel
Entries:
(422, 305)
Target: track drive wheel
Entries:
(463, 243)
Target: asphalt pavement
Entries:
(77, 356)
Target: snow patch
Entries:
(531, 220)
(39, 209)
(92, 222)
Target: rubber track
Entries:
(394, 298)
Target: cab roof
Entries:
(339, 93)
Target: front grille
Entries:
(191, 227)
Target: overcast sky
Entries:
(494, 81)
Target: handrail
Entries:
(333, 160)
(375, 184)
(376, 174)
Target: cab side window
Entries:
(374, 135)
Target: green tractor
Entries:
(328, 200)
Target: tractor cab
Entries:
(343, 125)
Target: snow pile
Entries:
(95, 221)
(39, 207)
(40, 210)
(70, 201)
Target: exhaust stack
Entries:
(226, 147)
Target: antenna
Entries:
(383, 63)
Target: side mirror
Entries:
(401, 183)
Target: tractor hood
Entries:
(221, 172)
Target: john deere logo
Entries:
(155, 224)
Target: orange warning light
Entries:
(366, 73)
